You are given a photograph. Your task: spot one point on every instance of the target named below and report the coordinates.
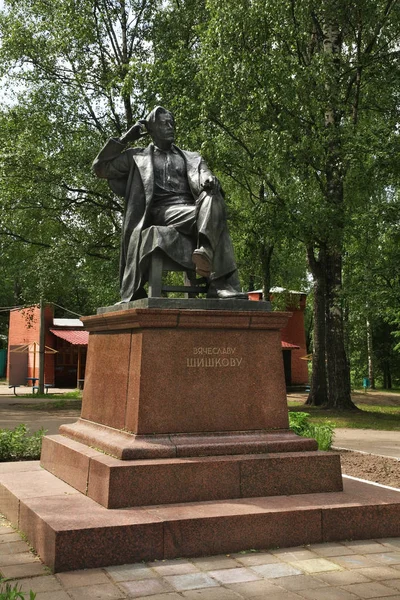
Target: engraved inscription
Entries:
(214, 350)
(214, 356)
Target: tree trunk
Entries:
(387, 376)
(338, 372)
(266, 253)
(318, 390)
(17, 292)
(371, 373)
(337, 367)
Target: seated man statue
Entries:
(168, 187)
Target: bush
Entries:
(19, 444)
(299, 423)
(8, 592)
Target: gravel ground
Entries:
(369, 466)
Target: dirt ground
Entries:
(369, 466)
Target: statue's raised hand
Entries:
(133, 134)
(211, 184)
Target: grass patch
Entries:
(20, 444)
(386, 410)
(14, 592)
(55, 405)
(386, 418)
(378, 390)
(75, 394)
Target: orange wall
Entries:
(25, 329)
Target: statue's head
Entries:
(160, 124)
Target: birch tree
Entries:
(309, 89)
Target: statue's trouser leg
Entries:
(205, 218)
(210, 218)
(181, 216)
(211, 211)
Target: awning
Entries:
(288, 346)
(73, 336)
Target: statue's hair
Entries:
(154, 114)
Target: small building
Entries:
(294, 347)
(65, 354)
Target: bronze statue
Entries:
(175, 191)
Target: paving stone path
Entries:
(335, 571)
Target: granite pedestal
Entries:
(182, 447)
(188, 405)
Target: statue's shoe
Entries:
(226, 292)
(203, 259)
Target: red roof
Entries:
(289, 346)
(77, 337)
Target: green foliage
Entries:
(372, 284)
(302, 111)
(10, 591)
(19, 444)
(323, 433)
(70, 81)
(300, 423)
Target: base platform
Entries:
(231, 304)
(70, 531)
(115, 483)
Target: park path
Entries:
(12, 413)
(383, 443)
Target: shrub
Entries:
(299, 423)
(8, 592)
(19, 444)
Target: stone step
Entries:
(116, 483)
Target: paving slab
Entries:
(226, 577)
